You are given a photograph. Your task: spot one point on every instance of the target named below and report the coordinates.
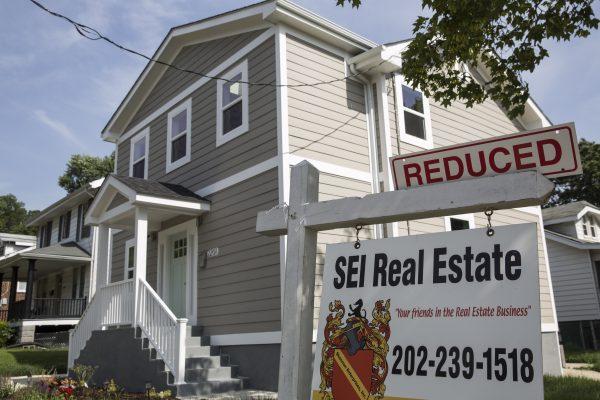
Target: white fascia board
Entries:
(333, 169)
(581, 246)
(380, 60)
(147, 200)
(555, 221)
(587, 209)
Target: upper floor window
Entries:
(179, 135)
(414, 121)
(64, 226)
(585, 229)
(232, 104)
(138, 159)
(593, 230)
(48, 234)
(83, 230)
(459, 222)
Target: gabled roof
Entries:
(68, 251)
(571, 241)
(159, 189)
(66, 203)
(568, 212)
(262, 14)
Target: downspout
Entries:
(372, 139)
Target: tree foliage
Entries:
(581, 187)
(14, 216)
(83, 169)
(354, 3)
(506, 37)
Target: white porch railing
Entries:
(111, 305)
(114, 304)
(163, 329)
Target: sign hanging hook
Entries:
(358, 228)
(490, 230)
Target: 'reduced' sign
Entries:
(552, 150)
(443, 316)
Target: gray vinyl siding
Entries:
(201, 57)
(333, 187)
(575, 288)
(239, 290)
(118, 255)
(326, 122)
(210, 163)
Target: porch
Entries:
(150, 211)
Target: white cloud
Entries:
(59, 128)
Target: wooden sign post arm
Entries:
(295, 372)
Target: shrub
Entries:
(6, 333)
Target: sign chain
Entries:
(490, 230)
(357, 243)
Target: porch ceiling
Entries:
(115, 204)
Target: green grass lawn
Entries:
(571, 388)
(18, 362)
(583, 356)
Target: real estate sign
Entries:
(552, 150)
(451, 315)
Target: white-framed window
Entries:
(138, 154)
(232, 104)
(129, 267)
(413, 115)
(179, 135)
(459, 222)
(21, 287)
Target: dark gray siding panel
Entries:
(118, 255)
(201, 57)
(210, 163)
(239, 290)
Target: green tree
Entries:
(508, 37)
(83, 169)
(14, 216)
(581, 187)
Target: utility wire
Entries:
(93, 34)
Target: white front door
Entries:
(177, 270)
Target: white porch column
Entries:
(141, 247)
(99, 272)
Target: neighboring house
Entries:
(54, 273)
(197, 158)
(573, 241)
(11, 243)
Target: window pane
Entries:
(178, 148)
(458, 224)
(139, 169)
(232, 90)
(412, 99)
(139, 149)
(130, 257)
(130, 275)
(179, 123)
(414, 125)
(232, 117)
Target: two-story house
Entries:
(573, 240)
(199, 154)
(11, 243)
(55, 272)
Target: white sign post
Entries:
(305, 217)
(447, 315)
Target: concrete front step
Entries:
(210, 387)
(207, 362)
(200, 351)
(198, 374)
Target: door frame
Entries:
(191, 276)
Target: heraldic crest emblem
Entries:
(354, 365)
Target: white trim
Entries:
(144, 134)
(470, 218)
(283, 140)
(47, 322)
(199, 83)
(426, 143)
(160, 201)
(535, 210)
(549, 327)
(187, 107)
(128, 244)
(222, 138)
(190, 228)
(573, 243)
(333, 169)
(253, 338)
(239, 177)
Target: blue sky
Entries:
(57, 90)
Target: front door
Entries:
(176, 270)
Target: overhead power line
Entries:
(93, 34)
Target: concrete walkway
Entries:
(580, 370)
(243, 395)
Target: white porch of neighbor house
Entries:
(142, 206)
